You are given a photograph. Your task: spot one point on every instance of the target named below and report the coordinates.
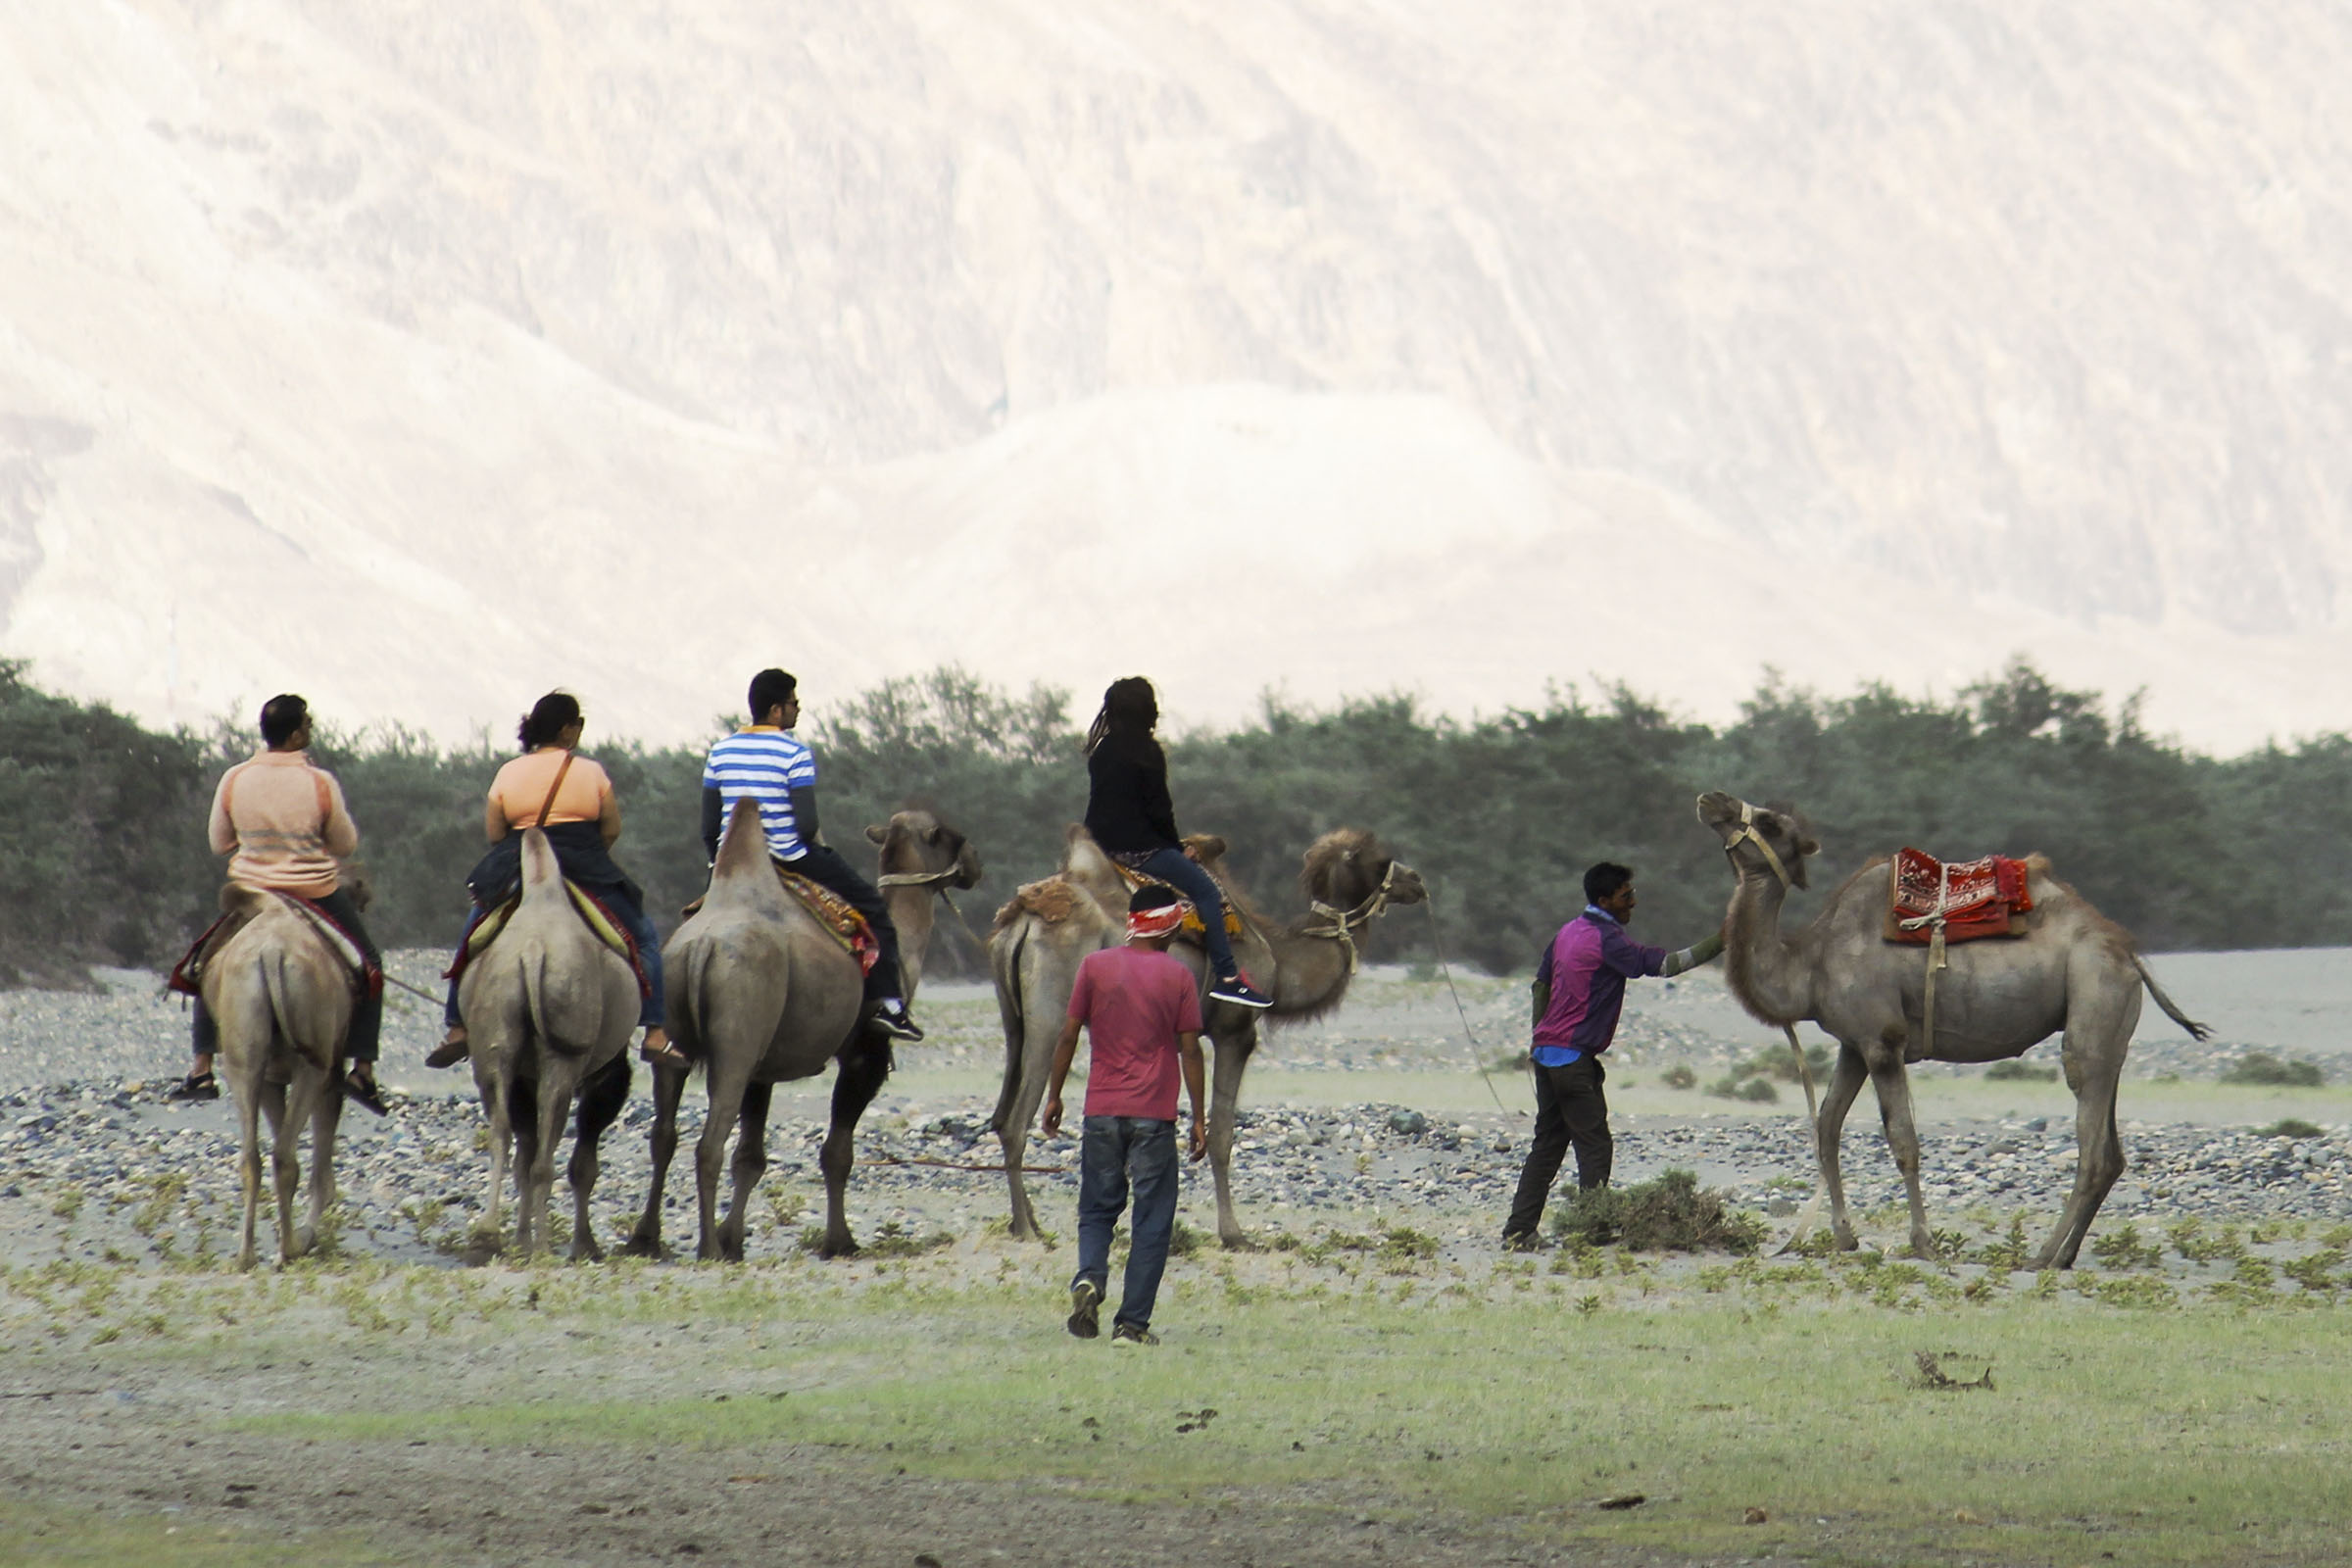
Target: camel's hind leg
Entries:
(602, 1095)
(751, 1159)
(728, 1080)
(1233, 1050)
(669, 1087)
(287, 1106)
(1031, 1028)
(523, 1096)
(249, 1097)
(1845, 1083)
(556, 1091)
(489, 1232)
(1894, 1085)
(2100, 1016)
(863, 1064)
(326, 1116)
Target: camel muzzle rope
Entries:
(1437, 945)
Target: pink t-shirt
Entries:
(1134, 1003)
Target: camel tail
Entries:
(2172, 1009)
(538, 1002)
(282, 1012)
(1005, 967)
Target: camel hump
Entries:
(743, 871)
(542, 872)
(1053, 900)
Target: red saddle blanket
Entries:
(1970, 899)
(187, 975)
(836, 914)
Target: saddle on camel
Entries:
(1931, 904)
(829, 909)
(239, 906)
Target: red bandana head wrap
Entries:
(1151, 924)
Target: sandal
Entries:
(364, 1092)
(453, 1049)
(666, 1054)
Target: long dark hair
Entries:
(550, 716)
(1130, 708)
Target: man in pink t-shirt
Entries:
(1141, 1009)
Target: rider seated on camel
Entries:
(281, 821)
(766, 762)
(570, 799)
(1131, 816)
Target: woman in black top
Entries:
(1129, 813)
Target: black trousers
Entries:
(367, 1012)
(1569, 1109)
(828, 871)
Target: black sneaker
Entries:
(196, 1086)
(892, 1016)
(1240, 993)
(1133, 1333)
(364, 1092)
(1085, 1302)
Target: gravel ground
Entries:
(87, 1143)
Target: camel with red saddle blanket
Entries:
(1049, 927)
(1914, 961)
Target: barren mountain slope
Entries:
(419, 354)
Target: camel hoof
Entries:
(730, 1251)
(587, 1253)
(836, 1248)
(1239, 1242)
(641, 1244)
(1845, 1242)
(481, 1252)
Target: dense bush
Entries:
(1672, 1213)
(2260, 1067)
(101, 821)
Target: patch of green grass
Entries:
(1777, 1062)
(1756, 1089)
(60, 1537)
(2201, 1434)
(1678, 1076)
(2019, 1070)
(2292, 1127)
(2122, 1249)
(2261, 1067)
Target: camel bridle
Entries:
(1748, 834)
(1344, 923)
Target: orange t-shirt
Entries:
(521, 786)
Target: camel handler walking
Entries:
(281, 821)
(1140, 1010)
(1580, 991)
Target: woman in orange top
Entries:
(570, 799)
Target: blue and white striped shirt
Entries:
(767, 764)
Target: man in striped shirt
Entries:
(768, 763)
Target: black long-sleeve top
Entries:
(1127, 807)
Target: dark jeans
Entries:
(830, 871)
(1570, 1109)
(367, 1009)
(1116, 1154)
(1191, 879)
(629, 912)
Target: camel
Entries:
(921, 857)
(761, 994)
(550, 1008)
(2073, 968)
(1305, 966)
(282, 999)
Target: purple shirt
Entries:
(1588, 964)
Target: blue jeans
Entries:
(626, 911)
(1117, 1154)
(1191, 879)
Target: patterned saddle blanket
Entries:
(1965, 899)
(187, 975)
(600, 919)
(1192, 926)
(836, 914)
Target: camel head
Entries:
(1756, 837)
(1347, 867)
(916, 843)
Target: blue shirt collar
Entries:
(1594, 908)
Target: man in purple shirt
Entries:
(1580, 989)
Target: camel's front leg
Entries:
(1846, 1082)
(287, 1114)
(1894, 1085)
(863, 1065)
(601, 1095)
(1012, 1132)
(489, 1231)
(1233, 1049)
(249, 1161)
(670, 1085)
(556, 1091)
(751, 1159)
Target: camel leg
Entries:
(601, 1095)
(249, 1161)
(1017, 1114)
(1845, 1083)
(489, 1230)
(863, 1064)
(751, 1159)
(522, 1121)
(555, 1093)
(326, 1115)
(1233, 1050)
(727, 1080)
(1894, 1085)
(2098, 1033)
(285, 1161)
(669, 1087)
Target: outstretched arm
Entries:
(1691, 957)
(1065, 1051)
